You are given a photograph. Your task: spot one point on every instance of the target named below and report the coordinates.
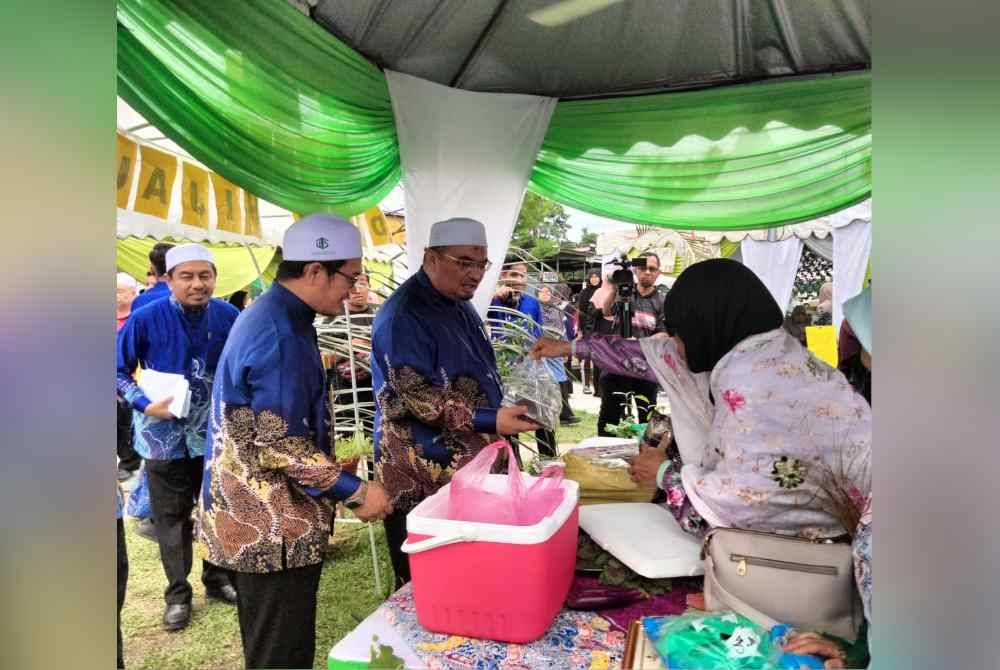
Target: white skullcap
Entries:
(126, 280)
(321, 237)
(457, 232)
(183, 253)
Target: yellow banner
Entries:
(156, 182)
(252, 225)
(379, 272)
(227, 204)
(127, 152)
(397, 226)
(378, 227)
(194, 196)
(822, 341)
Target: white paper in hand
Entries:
(159, 385)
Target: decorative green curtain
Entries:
(233, 263)
(261, 94)
(266, 97)
(732, 158)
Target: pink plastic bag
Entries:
(519, 505)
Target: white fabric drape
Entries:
(852, 245)
(465, 154)
(821, 247)
(776, 264)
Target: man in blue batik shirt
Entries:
(437, 389)
(272, 477)
(181, 334)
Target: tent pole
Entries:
(256, 265)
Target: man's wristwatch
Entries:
(358, 498)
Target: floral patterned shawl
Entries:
(783, 422)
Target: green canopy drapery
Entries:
(233, 263)
(741, 157)
(261, 94)
(265, 97)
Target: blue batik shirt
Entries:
(165, 336)
(271, 470)
(437, 389)
(158, 290)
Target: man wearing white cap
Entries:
(437, 387)
(271, 476)
(181, 334)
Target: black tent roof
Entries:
(594, 48)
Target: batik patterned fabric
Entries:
(574, 641)
(271, 476)
(862, 549)
(782, 426)
(166, 337)
(437, 390)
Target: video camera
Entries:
(623, 277)
(624, 280)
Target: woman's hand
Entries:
(547, 347)
(815, 644)
(646, 465)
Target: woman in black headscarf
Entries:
(713, 306)
(769, 437)
(586, 312)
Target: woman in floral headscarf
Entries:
(770, 438)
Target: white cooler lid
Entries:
(645, 537)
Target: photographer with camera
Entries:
(635, 307)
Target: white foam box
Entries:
(645, 537)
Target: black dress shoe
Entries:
(176, 617)
(226, 593)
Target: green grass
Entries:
(573, 434)
(212, 640)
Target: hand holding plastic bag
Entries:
(518, 505)
(531, 385)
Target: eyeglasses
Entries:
(467, 265)
(351, 279)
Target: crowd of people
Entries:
(251, 473)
